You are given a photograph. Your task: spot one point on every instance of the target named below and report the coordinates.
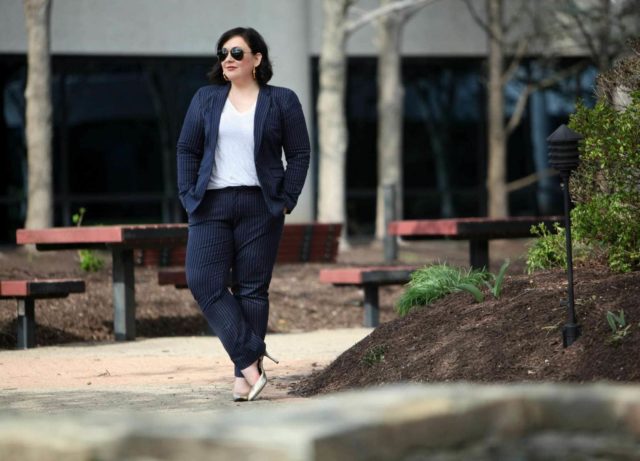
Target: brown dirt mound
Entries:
(514, 338)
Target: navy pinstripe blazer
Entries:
(279, 124)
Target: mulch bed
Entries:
(299, 302)
(514, 338)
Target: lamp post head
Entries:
(563, 150)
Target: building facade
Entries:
(124, 72)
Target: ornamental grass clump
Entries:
(434, 282)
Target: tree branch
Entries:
(476, 17)
(521, 49)
(525, 181)
(512, 21)
(516, 117)
(521, 104)
(577, 15)
(395, 7)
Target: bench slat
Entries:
(70, 235)
(40, 288)
(300, 242)
(476, 227)
(151, 235)
(477, 230)
(379, 275)
(369, 278)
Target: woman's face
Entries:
(239, 69)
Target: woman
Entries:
(236, 191)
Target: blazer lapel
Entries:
(262, 109)
(217, 104)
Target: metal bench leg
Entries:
(26, 323)
(124, 301)
(479, 254)
(371, 306)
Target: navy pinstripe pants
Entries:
(232, 229)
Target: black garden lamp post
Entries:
(564, 157)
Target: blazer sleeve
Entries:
(190, 147)
(297, 150)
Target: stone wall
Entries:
(401, 422)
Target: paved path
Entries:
(166, 374)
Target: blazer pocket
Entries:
(277, 184)
(277, 172)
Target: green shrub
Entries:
(548, 251)
(606, 185)
(89, 260)
(610, 223)
(77, 217)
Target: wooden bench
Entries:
(478, 231)
(369, 278)
(120, 240)
(300, 243)
(303, 242)
(26, 292)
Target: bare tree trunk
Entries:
(332, 123)
(390, 112)
(592, 23)
(497, 157)
(38, 119)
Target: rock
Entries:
(411, 422)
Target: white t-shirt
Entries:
(234, 160)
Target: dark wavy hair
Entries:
(264, 72)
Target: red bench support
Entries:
(173, 276)
(370, 278)
(26, 292)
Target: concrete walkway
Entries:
(190, 374)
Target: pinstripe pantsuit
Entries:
(239, 228)
(233, 229)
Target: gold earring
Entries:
(225, 76)
(254, 73)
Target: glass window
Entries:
(116, 125)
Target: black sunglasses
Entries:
(237, 53)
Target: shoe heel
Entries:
(273, 359)
(259, 385)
